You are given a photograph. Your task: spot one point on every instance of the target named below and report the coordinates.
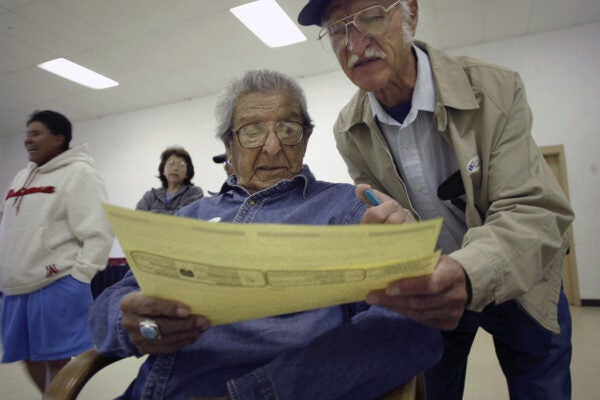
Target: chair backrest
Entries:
(71, 379)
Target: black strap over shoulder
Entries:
(451, 189)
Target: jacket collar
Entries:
(304, 177)
(452, 86)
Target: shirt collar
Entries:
(304, 177)
(423, 98)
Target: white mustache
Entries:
(369, 52)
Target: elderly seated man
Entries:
(351, 351)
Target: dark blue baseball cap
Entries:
(220, 158)
(312, 12)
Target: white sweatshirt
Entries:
(53, 224)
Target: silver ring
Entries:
(149, 329)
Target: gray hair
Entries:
(406, 15)
(263, 81)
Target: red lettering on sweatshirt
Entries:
(25, 191)
(51, 270)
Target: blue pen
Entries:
(371, 197)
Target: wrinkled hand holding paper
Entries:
(232, 272)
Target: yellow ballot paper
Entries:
(231, 272)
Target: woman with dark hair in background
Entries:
(175, 171)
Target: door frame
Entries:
(570, 276)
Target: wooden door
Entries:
(555, 157)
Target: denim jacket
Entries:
(155, 200)
(350, 351)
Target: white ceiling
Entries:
(163, 51)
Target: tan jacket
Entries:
(516, 250)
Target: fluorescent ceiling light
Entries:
(267, 20)
(78, 74)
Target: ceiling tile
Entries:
(46, 81)
(228, 29)
(134, 58)
(16, 25)
(553, 14)
(589, 11)
(106, 18)
(72, 107)
(306, 59)
(28, 92)
(165, 88)
(22, 51)
(461, 25)
(14, 4)
(158, 14)
(163, 51)
(446, 4)
(506, 18)
(153, 14)
(55, 19)
(199, 42)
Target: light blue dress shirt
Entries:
(422, 156)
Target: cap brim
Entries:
(312, 12)
(220, 159)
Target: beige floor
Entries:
(484, 378)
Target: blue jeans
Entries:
(534, 360)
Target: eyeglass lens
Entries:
(255, 135)
(372, 21)
(173, 163)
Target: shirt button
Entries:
(252, 203)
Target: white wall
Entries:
(561, 73)
(560, 70)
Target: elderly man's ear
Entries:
(413, 5)
(230, 158)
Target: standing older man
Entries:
(450, 136)
(342, 352)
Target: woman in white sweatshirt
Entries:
(54, 237)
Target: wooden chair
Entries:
(71, 379)
(67, 384)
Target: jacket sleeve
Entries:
(375, 352)
(88, 222)
(192, 194)
(145, 202)
(522, 240)
(358, 169)
(106, 330)
(196, 193)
